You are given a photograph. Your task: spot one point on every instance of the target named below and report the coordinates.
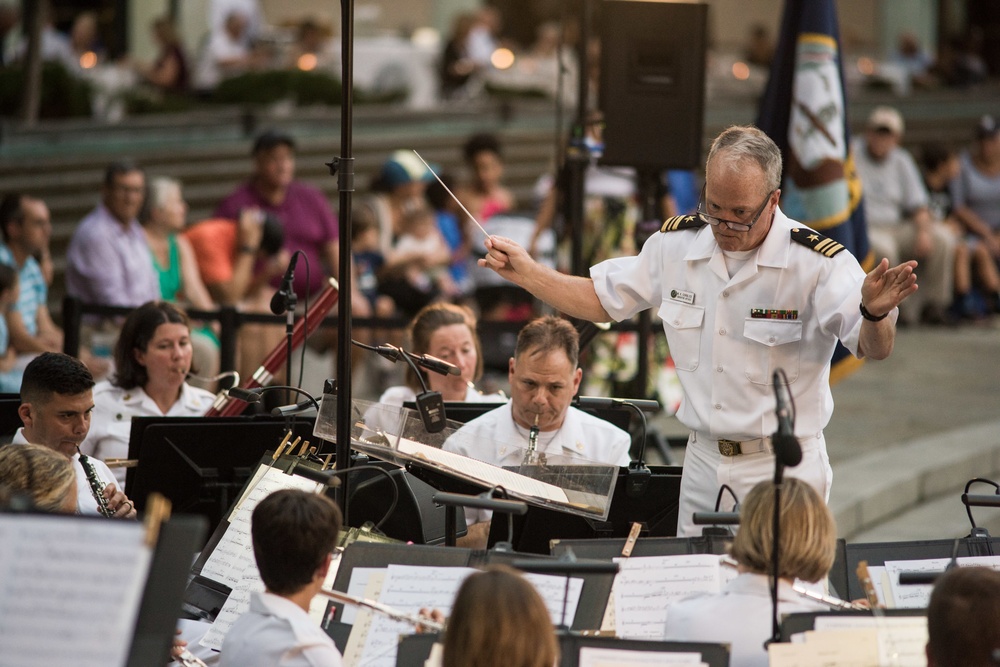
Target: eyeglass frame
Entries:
(731, 224)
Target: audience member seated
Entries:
(963, 619)
(973, 262)
(544, 378)
(313, 48)
(163, 218)
(56, 403)
(914, 60)
(485, 195)
(85, 41)
(499, 620)
(294, 534)
(741, 614)
(368, 261)
(152, 361)
(40, 474)
(760, 47)
(416, 270)
(457, 68)
(900, 226)
(448, 332)
(976, 191)
(27, 231)
(10, 375)
(108, 262)
(169, 73)
(455, 229)
(237, 260)
(227, 53)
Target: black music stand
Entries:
(10, 421)
(656, 509)
(201, 463)
(458, 411)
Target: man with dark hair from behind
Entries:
(56, 403)
(963, 619)
(294, 534)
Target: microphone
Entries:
(247, 395)
(437, 365)
(787, 449)
(298, 408)
(601, 403)
(281, 298)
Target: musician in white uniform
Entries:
(741, 615)
(544, 378)
(56, 404)
(294, 534)
(152, 360)
(742, 291)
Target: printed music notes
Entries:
(918, 596)
(645, 586)
(856, 641)
(608, 657)
(70, 589)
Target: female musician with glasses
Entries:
(152, 361)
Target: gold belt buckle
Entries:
(730, 448)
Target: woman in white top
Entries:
(741, 614)
(448, 332)
(152, 361)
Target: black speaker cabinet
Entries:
(652, 83)
(416, 518)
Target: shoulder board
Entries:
(681, 222)
(816, 241)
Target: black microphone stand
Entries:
(287, 300)
(779, 471)
(343, 168)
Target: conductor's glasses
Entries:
(740, 226)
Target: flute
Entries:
(394, 614)
(828, 600)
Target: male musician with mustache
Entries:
(56, 404)
(544, 378)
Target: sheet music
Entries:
(363, 620)
(646, 585)
(485, 472)
(552, 589)
(919, 596)
(356, 587)
(54, 573)
(841, 648)
(408, 588)
(234, 552)
(591, 656)
(901, 640)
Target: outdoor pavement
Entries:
(908, 432)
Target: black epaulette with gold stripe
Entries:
(816, 241)
(681, 222)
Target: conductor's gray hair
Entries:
(739, 143)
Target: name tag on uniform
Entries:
(682, 296)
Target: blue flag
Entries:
(804, 111)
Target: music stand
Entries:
(461, 412)
(10, 421)
(201, 463)
(656, 509)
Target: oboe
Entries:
(96, 485)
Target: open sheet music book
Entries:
(70, 589)
(896, 596)
(856, 641)
(408, 588)
(396, 434)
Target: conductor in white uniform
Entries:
(544, 378)
(742, 291)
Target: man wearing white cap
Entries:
(900, 226)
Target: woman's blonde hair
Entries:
(45, 476)
(808, 532)
(499, 620)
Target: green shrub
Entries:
(62, 94)
(272, 86)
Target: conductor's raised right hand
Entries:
(507, 258)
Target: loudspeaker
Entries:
(652, 83)
(416, 517)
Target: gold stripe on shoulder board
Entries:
(678, 222)
(816, 241)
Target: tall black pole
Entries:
(577, 157)
(345, 184)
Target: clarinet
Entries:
(96, 485)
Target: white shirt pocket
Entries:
(772, 344)
(683, 325)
